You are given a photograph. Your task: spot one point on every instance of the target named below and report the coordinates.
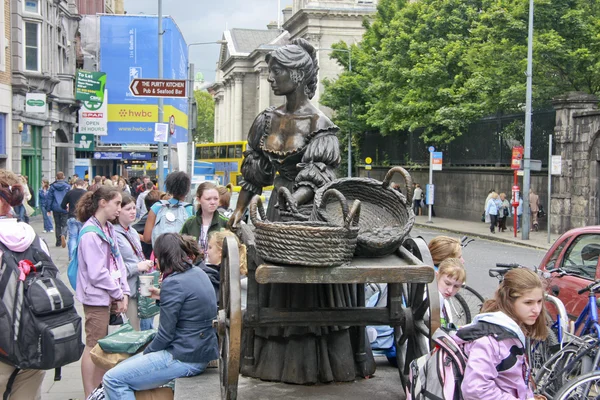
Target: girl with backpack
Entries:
(101, 275)
(186, 341)
(130, 248)
(495, 343)
(207, 219)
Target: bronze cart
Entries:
(411, 289)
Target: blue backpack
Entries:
(74, 264)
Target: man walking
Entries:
(57, 192)
(69, 203)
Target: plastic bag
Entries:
(126, 340)
(147, 307)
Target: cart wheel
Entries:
(421, 320)
(229, 320)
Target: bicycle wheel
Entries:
(585, 387)
(473, 299)
(461, 315)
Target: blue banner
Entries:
(129, 50)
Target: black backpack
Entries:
(40, 326)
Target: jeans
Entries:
(47, 221)
(146, 371)
(74, 227)
(60, 223)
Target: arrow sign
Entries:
(142, 87)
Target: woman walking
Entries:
(43, 196)
(101, 276)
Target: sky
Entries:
(205, 21)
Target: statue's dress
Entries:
(304, 150)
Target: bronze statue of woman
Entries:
(298, 142)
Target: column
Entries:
(238, 110)
(264, 90)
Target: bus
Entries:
(226, 157)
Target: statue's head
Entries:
(298, 61)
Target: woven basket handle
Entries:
(407, 179)
(342, 200)
(286, 200)
(256, 203)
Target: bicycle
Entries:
(581, 355)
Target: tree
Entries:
(205, 130)
(441, 64)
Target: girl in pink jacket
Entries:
(497, 366)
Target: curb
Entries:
(484, 236)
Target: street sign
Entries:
(556, 168)
(142, 87)
(172, 125)
(84, 142)
(436, 160)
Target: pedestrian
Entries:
(101, 276)
(17, 237)
(497, 366)
(207, 218)
(97, 183)
(140, 204)
(170, 215)
(186, 341)
(450, 276)
(417, 198)
(152, 197)
(492, 209)
(136, 263)
(43, 199)
(504, 213)
(57, 192)
(69, 203)
(534, 207)
(443, 247)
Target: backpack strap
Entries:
(9, 384)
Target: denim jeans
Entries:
(73, 227)
(47, 221)
(146, 371)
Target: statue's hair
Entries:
(302, 56)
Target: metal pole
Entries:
(549, 183)
(190, 155)
(527, 155)
(349, 120)
(160, 162)
(429, 221)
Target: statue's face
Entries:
(280, 79)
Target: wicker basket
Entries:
(386, 214)
(307, 243)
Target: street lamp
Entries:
(349, 51)
(190, 156)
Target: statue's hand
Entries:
(235, 219)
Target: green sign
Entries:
(89, 86)
(84, 142)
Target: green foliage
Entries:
(442, 64)
(206, 117)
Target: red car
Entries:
(576, 252)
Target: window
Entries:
(581, 257)
(32, 6)
(32, 48)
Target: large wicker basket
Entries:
(307, 243)
(386, 214)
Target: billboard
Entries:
(128, 51)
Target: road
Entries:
(481, 255)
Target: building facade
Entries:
(43, 65)
(241, 90)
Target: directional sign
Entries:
(142, 87)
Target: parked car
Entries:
(576, 252)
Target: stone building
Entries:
(43, 64)
(5, 87)
(241, 90)
(577, 139)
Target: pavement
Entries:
(385, 383)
